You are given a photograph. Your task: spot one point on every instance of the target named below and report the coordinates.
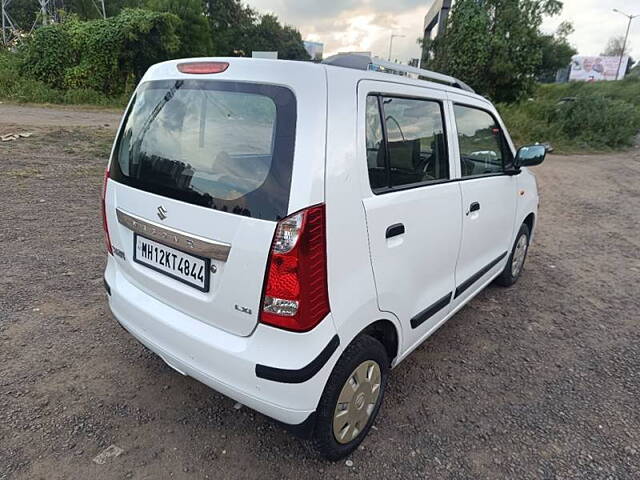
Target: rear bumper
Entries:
(226, 362)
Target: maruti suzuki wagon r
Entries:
(287, 232)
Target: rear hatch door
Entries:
(200, 173)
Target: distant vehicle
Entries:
(288, 232)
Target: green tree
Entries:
(494, 45)
(194, 30)
(292, 47)
(238, 30)
(556, 53)
(464, 51)
(231, 26)
(85, 9)
(614, 47)
(426, 46)
(270, 35)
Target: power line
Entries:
(45, 11)
(8, 27)
(100, 8)
(48, 13)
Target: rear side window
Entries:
(405, 142)
(483, 150)
(223, 145)
(376, 163)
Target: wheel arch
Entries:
(386, 333)
(530, 221)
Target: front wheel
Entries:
(515, 264)
(351, 398)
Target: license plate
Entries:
(179, 265)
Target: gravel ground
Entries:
(58, 115)
(537, 381)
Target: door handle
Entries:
(395, 230)
(474, 207)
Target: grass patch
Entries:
(27, 172)
(88, 142)
(578, 117)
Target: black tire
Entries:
(507, 278)
(362, 349)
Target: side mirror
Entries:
(530, 155)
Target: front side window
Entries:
(481, 143)
(223, 145)
(414, 150)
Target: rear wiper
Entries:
(154, 113)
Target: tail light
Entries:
(295, 293)
(105, 226)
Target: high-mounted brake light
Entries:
(105, 226)
(203, 67)
(295, 293)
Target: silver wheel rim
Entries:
(357, 401)
(518, 256)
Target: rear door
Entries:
(488, 193)
(412, 207)
(200, 174)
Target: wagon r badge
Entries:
(162, 212)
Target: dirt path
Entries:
(56, 116)
(537, 381)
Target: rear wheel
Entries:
(351, 398)
(515, 264)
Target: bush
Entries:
(597, 121)
(578, 116)
(18, 88)
(48, 55)
(14, 87)
(86, 96)
(108, 56)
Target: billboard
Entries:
(594, 69)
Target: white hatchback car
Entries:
(288, 232)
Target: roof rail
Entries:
(361, 61)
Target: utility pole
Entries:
(624, 44)
(391, 44)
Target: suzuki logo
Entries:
(162, 212)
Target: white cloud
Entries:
(595, 22)
(366, 25)
(354, 25)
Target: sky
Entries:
(366, 25)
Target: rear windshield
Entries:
(222, 145)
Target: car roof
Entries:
(404, 80)
(269, 70)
